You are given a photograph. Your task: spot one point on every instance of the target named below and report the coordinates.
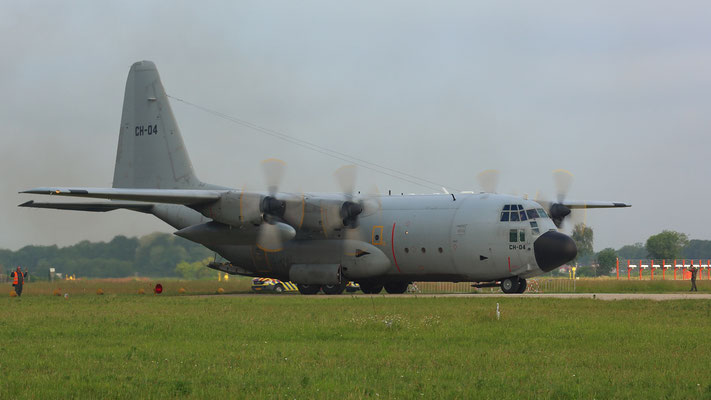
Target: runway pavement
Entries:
(597, 296)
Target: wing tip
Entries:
(622, 205)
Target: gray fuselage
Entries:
(439, 237)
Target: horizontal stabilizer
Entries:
(93, 207)
(171, 196)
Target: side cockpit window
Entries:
(534, 228)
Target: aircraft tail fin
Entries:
(151, 152)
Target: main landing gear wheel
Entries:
(521, 286)
(396, 287)
(371, 288)
(308, 289)
(334, 289)
(278, 289)
(510, 285)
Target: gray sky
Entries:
(619, 93)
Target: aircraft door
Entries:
(519, 247)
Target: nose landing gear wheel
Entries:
(510, 285)
(521, 286)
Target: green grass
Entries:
(582, 285)
(130, 346)
(171, 286)
(607, 285)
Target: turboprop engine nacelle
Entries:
(227, 209)
(363, 260)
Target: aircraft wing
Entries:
(172, 196)
(94, 207)
(594, 204)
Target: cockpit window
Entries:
(514, 216)
(516, 212)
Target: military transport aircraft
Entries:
(322, 241)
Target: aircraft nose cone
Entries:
(553, 249)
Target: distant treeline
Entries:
(154, 255)
(695, 249)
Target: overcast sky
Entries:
(619, 93)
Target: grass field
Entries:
(123, 286)
(290, 346)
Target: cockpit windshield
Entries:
(516, 212)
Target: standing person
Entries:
(693, 280)
(18, 279)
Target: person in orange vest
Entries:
(693, 280)
(18, 279)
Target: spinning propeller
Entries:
(275, 215)
(347, 214)
(488, 180)
(557, 210)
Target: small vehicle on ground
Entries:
(277, 286)
(273, 285)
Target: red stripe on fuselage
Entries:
(392, 246)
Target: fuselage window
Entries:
(542, 213)
(507, 207)
(514, 216)
(521, 235)
(504, 216)
(423, 250)
(513, 235)
(523, 215)
(441, 250)
(532, 214)
(407, 250)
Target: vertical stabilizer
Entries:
(151, 153)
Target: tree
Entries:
(697, 249)
(607, 260)
(583, 237)
(195, 270)
(666, 245)
(631, 252)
